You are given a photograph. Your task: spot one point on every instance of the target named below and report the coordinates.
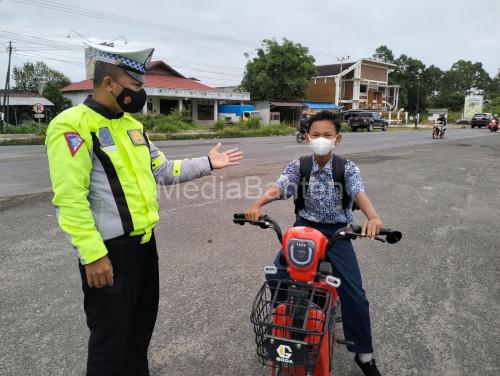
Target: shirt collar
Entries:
(327, 168)
(101, 109)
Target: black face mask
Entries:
(131, 101)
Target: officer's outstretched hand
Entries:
(232, 157)
(100, 273)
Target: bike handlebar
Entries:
(264, 222)
(391, 236)
(349, 232)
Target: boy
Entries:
(322, 208)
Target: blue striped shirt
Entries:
(323, 201)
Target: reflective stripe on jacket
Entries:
(104, 172)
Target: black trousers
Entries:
(121, 318)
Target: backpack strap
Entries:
(306, 163)
(338, 166)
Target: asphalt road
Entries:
(23, 169)
(434, 297)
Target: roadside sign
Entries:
(39, 116)
(38, 108)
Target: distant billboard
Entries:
(89, 63)
(473, 105)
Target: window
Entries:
(205, 112)
(363, 89)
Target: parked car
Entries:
(480, 120)
(345, 115)
(368, 120)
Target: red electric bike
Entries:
(294, 320)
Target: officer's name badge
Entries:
(136, 137)
(74, 142)
(105, 137)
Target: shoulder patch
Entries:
(74, 141)
(136, 137)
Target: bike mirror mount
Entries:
(332, 281)
(270, 269)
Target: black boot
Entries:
(369, 369)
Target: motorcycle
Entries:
(300, 136)
(493, 125)
(294, 320)
(438, 129)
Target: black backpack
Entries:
(338, 167)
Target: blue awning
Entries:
(321, 106)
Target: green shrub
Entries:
(25, 128)
(175, 122)
(241, 130)
(344, 127)
(219, 124)
(253, 123)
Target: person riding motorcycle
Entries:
(304, 122)
(443, 122)
(494, 124)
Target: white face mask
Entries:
(321, 145)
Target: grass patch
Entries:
(174, 127)
(177, 121)
(26, 128)
(36, 140)
(242, 130)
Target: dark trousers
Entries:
(121, 318)
(354, 304)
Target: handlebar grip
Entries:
(392, 236)
(239, 216)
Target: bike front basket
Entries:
(290, 320)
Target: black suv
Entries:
(368, 120)
(480, 120)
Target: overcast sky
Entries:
(208, 39)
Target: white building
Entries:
(169, 90)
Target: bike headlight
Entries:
(301, 252)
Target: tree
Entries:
(457, 82)
(409, 74)
(33, 76)
(433, 77)
(435, 87)
(280, 71)
(465, 75)
(492, 90)
(52, 91)
(383, 53)
(493, 106)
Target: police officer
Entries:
(104, 172)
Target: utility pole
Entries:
(417, 116)
(341, 59)
(6, 94)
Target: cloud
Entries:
(435, 31)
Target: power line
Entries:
(65, 8)
(32, 55)
(61, 7)
(37, 39)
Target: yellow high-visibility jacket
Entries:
(104, 172)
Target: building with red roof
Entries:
(169, 90)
